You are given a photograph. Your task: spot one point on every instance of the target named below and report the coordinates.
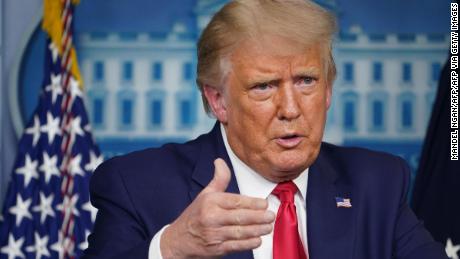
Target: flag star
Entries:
(87, 127)
(75, 88)
(49, 167)
(34, 130)
(69, 205)
(40, 248)
(451, 250)
(83, 245)
(74, 166)
(45, 207)
(13, 248)
(54, 51)
(51, 127)
(58, 247)
(21, 210)
(29, 170)
(75, 126)
(94, 161)
(92, 210)
(55, 87)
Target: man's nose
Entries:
(288, 102)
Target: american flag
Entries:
(46, 212)
(342, 202)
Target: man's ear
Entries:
(328, 95)
(216, 102)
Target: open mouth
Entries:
(289, 141)
(290, 136)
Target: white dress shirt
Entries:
(253, 184)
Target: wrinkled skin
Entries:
(274, 106)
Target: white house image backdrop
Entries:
(141, 83)
(138, 60)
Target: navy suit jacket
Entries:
(139, 193)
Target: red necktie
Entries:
(286, 238)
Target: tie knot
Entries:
(285, 191)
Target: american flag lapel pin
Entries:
(343, 202)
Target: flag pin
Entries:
(343, 202)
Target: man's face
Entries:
(274, 106)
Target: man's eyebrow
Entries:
(273, 77)
(259, 79)
(306, 71)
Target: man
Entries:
(265, 71)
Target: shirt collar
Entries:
(250, 183)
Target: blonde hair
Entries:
(298, 20)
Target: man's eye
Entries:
(262, 86)
(307, 80)
(262, 91)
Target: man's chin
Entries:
(292, 160)
(288, 171)
(283, 176)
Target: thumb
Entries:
(221, 177)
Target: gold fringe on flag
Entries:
(53, 25)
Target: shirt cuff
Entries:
(154, 248)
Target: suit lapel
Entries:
(213, 147)
(330, 229)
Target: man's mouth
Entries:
(289, 140)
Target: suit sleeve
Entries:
(412, 240)
(118, 232)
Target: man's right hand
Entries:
(217, 223)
